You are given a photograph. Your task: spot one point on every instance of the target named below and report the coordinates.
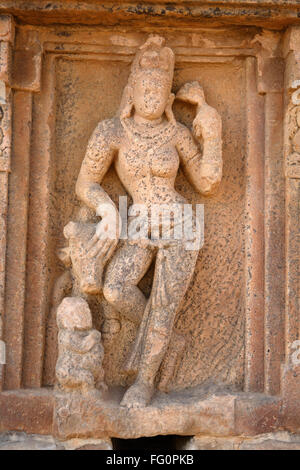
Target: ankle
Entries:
(145, 381)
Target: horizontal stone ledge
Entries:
(185, 413)
(272, 441)
(30, 411)
(265, 12)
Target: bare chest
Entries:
(148, 152)
(139, 160)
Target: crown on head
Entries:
(153, 55)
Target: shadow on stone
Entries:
(150, 443)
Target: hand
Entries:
(191, 92)
(110, 225)
(91, 340)
(100, 248)
(210, 177)
(90, 247)
(108, 232)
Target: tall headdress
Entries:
(151, 56)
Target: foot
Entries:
(138, 395)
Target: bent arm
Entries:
(98, 158)
(204, 172)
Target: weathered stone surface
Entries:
(201, 321)
(27, 410)
(146, 144)
(204, 410)
(269, 13)
(63, 68)
(22, 441)
(272, 441)
(270, 444)
(6, 42)
(80, 352)
(86, 444)
(291, 397)
(257, 414)
(178, 414)
(275, 441)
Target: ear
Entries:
(168, 110)
(126, 105)
(126, 111)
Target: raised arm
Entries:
(204, 171)
(99, 155)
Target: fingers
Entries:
(110, 251)
(93, 242)
(100, 248)
(103, 249)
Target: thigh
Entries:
(173, 272)
(129, 264)
(175, 267)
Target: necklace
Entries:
(159, 135)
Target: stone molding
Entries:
(262, 13)
(6, 42)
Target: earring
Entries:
(126, 105)
(126, 111)
(169, 111)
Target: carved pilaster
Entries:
(269, 85)
(27, 66)
(291, 370)
(6, 40)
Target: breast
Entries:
(164, 162)
(140, 162)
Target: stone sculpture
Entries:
(146, 146)
(79, 365)
(229, 356)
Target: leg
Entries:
(127, 267)
(173, 271)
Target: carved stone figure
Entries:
(146, 145)
(80, 354)
(293, 153)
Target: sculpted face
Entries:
(151, 94)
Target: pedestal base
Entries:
(186, 413)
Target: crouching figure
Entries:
(80, 352)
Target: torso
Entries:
(148, 162)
